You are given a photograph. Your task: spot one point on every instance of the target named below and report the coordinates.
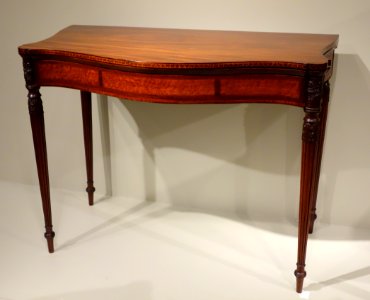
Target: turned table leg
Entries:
(87, 129)
(38, 132)
(310, 166)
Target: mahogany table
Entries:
(186, 66)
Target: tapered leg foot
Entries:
(90, 192)
(49, 235)
(300, 274)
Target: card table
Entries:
(186, 67)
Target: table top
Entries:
(184, 48)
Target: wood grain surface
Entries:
(181, 48)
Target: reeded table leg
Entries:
(309, 170)
(87, 128)
(38, 132)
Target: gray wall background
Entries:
(237, 158)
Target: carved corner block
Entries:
(312, 108)
(34, 96)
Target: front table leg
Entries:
(309, 168)
(38, 132)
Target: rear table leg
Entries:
(319, 154)
(87, 129)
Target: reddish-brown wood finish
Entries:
(169, 88)
(175, 48)
(36, 112)
(187, 66)
(309, 166)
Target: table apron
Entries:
(167, 88)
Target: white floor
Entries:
(122, 249)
